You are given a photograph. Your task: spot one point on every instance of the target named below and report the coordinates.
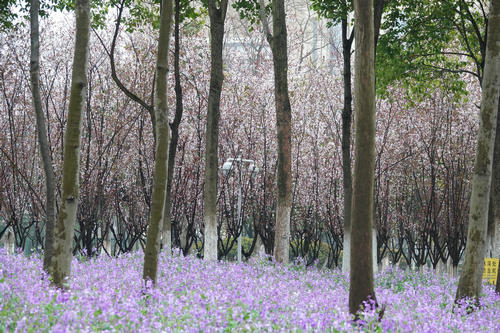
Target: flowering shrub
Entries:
(192, 295)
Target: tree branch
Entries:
(265, 22)
(111, 54)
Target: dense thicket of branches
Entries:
(424, 150)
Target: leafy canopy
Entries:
(430, 44)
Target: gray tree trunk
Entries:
(346, 145)
(60, 266)
(279, 48)
(217, 18)
(174, 138)
(346, 130)
(162, 136)
(50, 211)
(494, 208)
(469, 284)
(361, 287)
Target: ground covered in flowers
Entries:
(108, 294)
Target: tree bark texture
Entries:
(60, 267)
(50, 204)
(217, 18)
(161, 156)
(279, 50)
(361, 287)
(469, 284)
(494, 207)
(174, 138)
(346, 146)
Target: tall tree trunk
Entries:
(469, 284)
(378, 9)
(50, 211)
(217, 18)
(346, 132)
(494, 207)
(278, 43)
(174, 138)
(162, 135)
(60, 266)
(346, 145)
(361, 287)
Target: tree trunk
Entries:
(50, 211)
(361, 286)
(278, 43)
(174, 139)
(346, 130)
(494, 207)
(161, 156)
(60, 267)
(217, 18)
(346, 146)
(469, 284)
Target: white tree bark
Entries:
(60, 267)
(346, 253)
(470, 284)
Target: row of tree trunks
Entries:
(470, 281)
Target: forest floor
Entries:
(192, 295)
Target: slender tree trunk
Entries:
(378, 8)
(217, 18)
(346, 146)
(50, 211)
(278, 43)
(494, 207)
(361, 286)
(174, 138)
(469, 284)
(162, 135)
(60, 267)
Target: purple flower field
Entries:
(107, 294)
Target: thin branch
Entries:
(13, 164)
(111, 54)
(445, 53)
(457, 71)
(485, 16)
(476, 28)
(463, 31)
(223, 9)
(265, 22)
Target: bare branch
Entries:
(111, 55)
